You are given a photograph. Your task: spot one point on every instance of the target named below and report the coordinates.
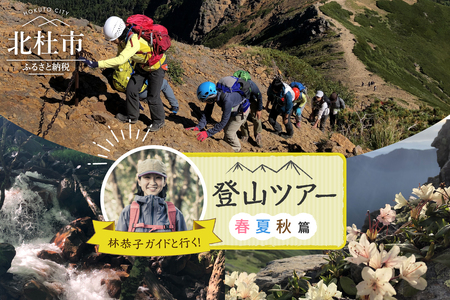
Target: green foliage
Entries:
(406, 48)
(384, 123)
(77, 158)
(96, 11)
(252, 261)
(175, 71)
(164, 10)
(216, 38)
(384, 133)
(296, 287)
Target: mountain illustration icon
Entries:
(290, 165)
(47, 21)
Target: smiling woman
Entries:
(155, 189)
(149, 212)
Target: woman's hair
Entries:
(161, 194)
(277, 84)
(124, 34)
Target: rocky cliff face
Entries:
(442, 143)
(212, 13)
(193, 22)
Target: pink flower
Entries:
(412, 272)
(387, 215)
(362, 251)
(376, 283)
(352, 233)
(391, 258)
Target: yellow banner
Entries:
(156, 243)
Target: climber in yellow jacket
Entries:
(130, 46)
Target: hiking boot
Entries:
(285, 136)
(174, 109)
(244, 139)
(258, 140)
(276, 132)
(155, 127)
(298, 124)
(125, 119)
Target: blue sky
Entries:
(420, 141)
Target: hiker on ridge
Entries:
(337, 104)
(130, 46)
(321, 110)
(300, 100)
(235, 110)
(149, 211)
(256, 107)
(281, 96)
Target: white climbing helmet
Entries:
(113, 28)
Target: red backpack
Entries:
(156, 35)
(134, 218)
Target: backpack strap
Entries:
(134, 216)
(172, 212)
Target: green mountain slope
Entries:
(408, 47)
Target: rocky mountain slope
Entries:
(28, 98)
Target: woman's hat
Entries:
(151, 166)
(319, 94)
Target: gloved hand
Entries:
(202, 136)
(89, 63)
(193, 128)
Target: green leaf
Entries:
(405, 289)
(443, 259)
(287, 296)
(442, 231)
(407, 247)
(348, 285)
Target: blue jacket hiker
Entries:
(233, 113)
(281, 96)
(149, 211)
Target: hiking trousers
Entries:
(274, 113)
(155, 80)
(322, 122)
(167, 91)
(334, 121)
(298, 112)
(231, 129)
(257, 125)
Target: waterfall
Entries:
(24, 216)
(28, 222)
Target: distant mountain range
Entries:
(373, 182)
(263, 168)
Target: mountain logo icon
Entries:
(46, 21)
(290, 165)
